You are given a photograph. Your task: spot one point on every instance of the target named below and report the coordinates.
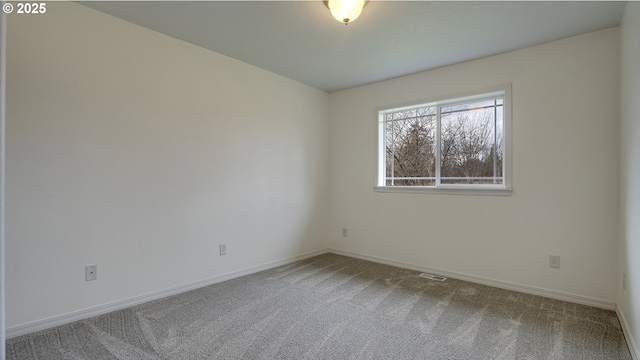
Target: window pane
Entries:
(468, 142)
(389, 136)
(466, 134)
(499, 143)
(411, 139)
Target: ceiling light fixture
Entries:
(345, 11)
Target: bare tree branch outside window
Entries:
(471, 144)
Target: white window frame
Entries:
(504, 189)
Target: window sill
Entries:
(448, 190)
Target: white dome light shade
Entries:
(345, 11)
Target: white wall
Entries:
(140, 153)
(629, 247)
(565, 174)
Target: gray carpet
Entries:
(335, 307)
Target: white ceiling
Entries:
(301, 41)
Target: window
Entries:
(456, 145)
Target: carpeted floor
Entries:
(335, 307)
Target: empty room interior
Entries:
(258, 180)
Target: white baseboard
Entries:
(137, 300)
(626, 330)
(553, 294)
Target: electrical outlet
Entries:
(91, 272)
(344, 232)
(554, 261)
(223, 249)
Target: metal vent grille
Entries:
(433, 277)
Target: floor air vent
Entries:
(433, 277)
